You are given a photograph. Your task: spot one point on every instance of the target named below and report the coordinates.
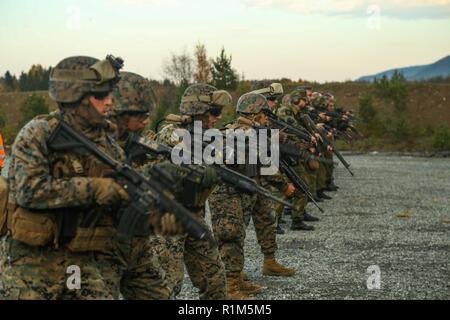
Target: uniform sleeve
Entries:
(277, 181)
(167, 135)
(35, 187)
(286, 115)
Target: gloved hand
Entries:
(166, 225)
(107, 191)
(313, 163)
(289, 190)
(210, 177)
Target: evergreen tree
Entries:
(9, 81)
(223, 75)
(34, 105)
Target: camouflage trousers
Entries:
(227, 217)
(300, 200)
(133, 269)
(230, 215)
(325, 172)
(262, 212)
(170, 252)
(45, 273)
(329, 169)
(202, 261)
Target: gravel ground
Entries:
(395, 214)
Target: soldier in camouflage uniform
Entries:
(203, 103)
(325, 172)
(135, 261)
(328, 184)
(293, 114)
(272, 94)
(232, 210)
(51, 193)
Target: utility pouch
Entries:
(32, 228)
(92, 239)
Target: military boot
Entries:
(300, 225)
(248, 287)
(279, 229)
(317, 199)
(309, 218)
(331, 187)
(322, 195)
(287, 211)
(234, 291)
(272, 267)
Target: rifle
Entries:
(143, 192)
(302, 134)
(326, 143)
(287, 150)
(137, 147)
(297, 181)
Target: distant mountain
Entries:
(424, 72)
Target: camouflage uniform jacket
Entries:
(276, 181)
(59, 182)
(191, 193)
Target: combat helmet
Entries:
(297, 95)
(197, 99)
(273, 91)
(74, 77)
(251, 103)
(133, 94)
(328, 98)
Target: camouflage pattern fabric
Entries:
(39, 180)
(33, 273)
(251, 103)
(73, 78)
(321, 180)
(260, 210)
(133, 93)
(196, 106)
(293, 115)
(136, 263)
(136, 271)
(169, 251)
(201, 257)
(204, 265)
(227, 218)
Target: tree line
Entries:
(34, 80)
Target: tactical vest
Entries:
(80, 229)
(247, 169)
(191, 194)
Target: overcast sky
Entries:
(320, 40)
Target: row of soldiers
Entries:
(64, 206)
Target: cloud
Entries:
(396, 8)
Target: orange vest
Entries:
(2, 152)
